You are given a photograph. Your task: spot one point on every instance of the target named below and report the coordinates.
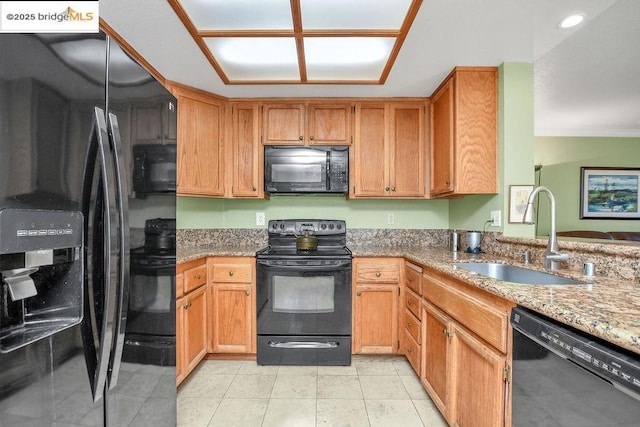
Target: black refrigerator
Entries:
(72, 109)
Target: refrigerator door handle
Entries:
(122, 285)
(100, 301)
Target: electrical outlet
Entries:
(259, 218)
(496, 220)
(391, 219)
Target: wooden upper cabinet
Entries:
(389, 150)
(309, 123)
(329, 124)
(200, 159)
(406, 137)
(283, 124)
(247, 153)
(155, 122)
(370, 151)
(464, 138)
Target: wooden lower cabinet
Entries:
(464, 352)
(232, 304)
(435, 371)
(191, 315)
(375, 305)
(191, 331)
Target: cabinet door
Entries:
(283, 124)
(370, 172)
(247, 152)
(200, 162)
(442, 144)
(478, 396)
(376, 319)
(406, 139)
(329, 124)
(232, 318)
(180, 369)
(148, 123)
(434, 370)
(195, 330)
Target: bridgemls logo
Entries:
(40, 16)
(69, 14)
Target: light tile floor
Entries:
(373, 391)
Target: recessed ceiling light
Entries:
(570, 21)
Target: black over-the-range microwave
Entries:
(297, 170)
(154, 169)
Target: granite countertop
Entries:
(605, 307)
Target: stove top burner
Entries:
(331, 236)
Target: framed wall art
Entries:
(609, 193)
(518, 195)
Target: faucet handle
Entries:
(557, 256)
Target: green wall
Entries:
(196, 212)
(561, 159)
(515, 156)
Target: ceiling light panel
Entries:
(239, 14)
(349, 58)
(354, 14)
(256, 58)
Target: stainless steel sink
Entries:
(514, 274)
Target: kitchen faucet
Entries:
(552, 256)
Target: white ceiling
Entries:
(587, 80)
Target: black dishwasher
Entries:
(565, 377)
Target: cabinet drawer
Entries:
(413, 278)
(377, 272)
(412, 325)
(486, 322)
(412, 351)
(232, 273)
(194, 278)
(413, 303)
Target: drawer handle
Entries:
(231, 273)
(377, 274)
(247, 293)
(358, 293)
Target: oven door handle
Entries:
(344, 265)
(303, 344)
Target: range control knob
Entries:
(331, 226)
(323, 226)
(282, 226)
(339, 226)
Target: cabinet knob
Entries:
(231, 273)
(300, 137)
(393, 188)
(247, 293)
(448, 182)
(409, 350)
(409, 302)
(185, 306)
(408, 324)
(198, 276)
(386, 188)
(253, 188)
(358, 293)
(377, 274)
(311, 137)
(410, 279)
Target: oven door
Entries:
(304, 297)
